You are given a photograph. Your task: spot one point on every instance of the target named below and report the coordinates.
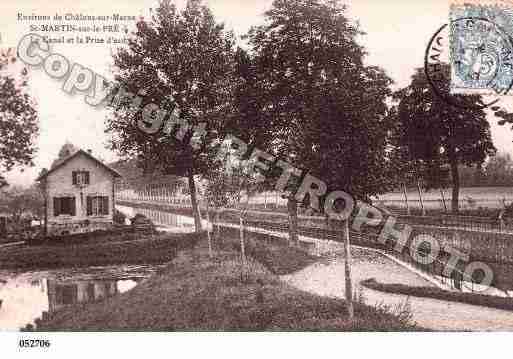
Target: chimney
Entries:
(90, 151)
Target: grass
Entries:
(274, 253)
(437, 293)
(197, 293)
(99, 251)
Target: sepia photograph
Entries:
(237, 176)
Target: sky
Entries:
(397, 33)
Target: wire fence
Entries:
(422, 260)
(472, 223)
(478, 239)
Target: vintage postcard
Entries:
(173, 171)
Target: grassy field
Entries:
(471, 198)
(98, 251)
(198, 293)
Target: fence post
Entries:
(348, 279)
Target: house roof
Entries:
(69, 158)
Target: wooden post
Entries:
(265, 200)
(46, 209)
(210, 254)
(406, 199)
(293, 221)
(420, 198)
(241, 230)
(443, 199)
(218, 223)
(242, 247)
(348, 278)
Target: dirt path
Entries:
(327, 279)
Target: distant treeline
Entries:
(498, 171)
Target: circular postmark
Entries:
(481, 62)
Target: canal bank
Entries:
(197, 292)
(110, 250)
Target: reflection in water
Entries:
(26, 297)
(63, 294)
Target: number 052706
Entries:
(34, 343)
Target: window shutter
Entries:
(105, 205)
(73, 209)
(65, 205)
(89, 205)
(56, 206)
(74, 177)
(87, 177)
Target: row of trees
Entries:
(299, 90)
(21, 205)
(498, 171)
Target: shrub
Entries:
(437, 293)
(119, 217)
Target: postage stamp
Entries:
(481, 49)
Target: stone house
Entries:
(79, 192)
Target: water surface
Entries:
(26, 296)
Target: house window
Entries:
(66, 294)
(80, 177)
(64, 206)
(97, 205)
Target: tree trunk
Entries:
(46, 213)
(242, 246)
(420, 198)
(348, 277)
(292, 209)
(241, 235)
(443, 199)
(218, 220)
(209, 236)
(455, 201)
(406, 199)
(194, 203)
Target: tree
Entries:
(22, 202)
(437, 133)
(499, 170)
(328, 110)
(325, 109)
(182, 62)
(18, 117)
(66, 150)
(232, 183)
